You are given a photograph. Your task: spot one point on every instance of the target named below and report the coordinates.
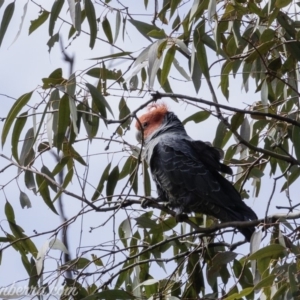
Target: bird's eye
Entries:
(145, 124)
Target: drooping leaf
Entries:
(113, 55)
(124, 112)
(143, 27)
(197, 117)
(24, 200)
(169, 57)
(294, 174)
(63, 121)
(44, 191)
(107, 30)
(19, 125)
(100, 186)
(91, 17)
(7, 15)
(99, 100)
(29, 181)
(54, 39)
(46, 171)
(21, 24)
(181, 70)
(27, 152)
(154, 60)
(112, 180)
(35, 24)
(55, 78)
(72, 9)
(16, 108)
(269, 251)
(71, 87)
(9, 212)
(201, 52)
(118, 25)
(55, 11)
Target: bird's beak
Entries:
(138, 136)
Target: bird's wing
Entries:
(184, 175)
(210, 156)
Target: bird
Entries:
(187, 172)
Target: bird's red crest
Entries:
(153, 118)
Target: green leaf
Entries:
(166, 87)
(174, 6)
(260, 50)
(44, 191)
(294, 174)
(201, 53)
(100, 186)
(46, 171)
(55, 78)
(27, 152)
(226, 69)
(294, 285)
(240, 295)
(7, 15)
(143, 28)
(67, 180)
(169, 57)
(55, 10)
(113, 55)
(196, 75)
(18, 105)
(237, 121)
(9, 212)
(78, 263)
(90, 122)
(282, 3)
(220, 134)
(35, 24)
(29, 181)
(157, 34)
(78, 20)
(68, 150)
(124, 112)
(63, 121)
(91, 17)
(118, 25)
(269, 251)
(107, 30)
(266, 282)
(24, 200)
(99, 100)
(71, 87)
(197, 117)
(144, 221)
(54, 39)
(80, 17)
(112, 180)
(19, 125)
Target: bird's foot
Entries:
(147, 202)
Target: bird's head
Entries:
(157, 117)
